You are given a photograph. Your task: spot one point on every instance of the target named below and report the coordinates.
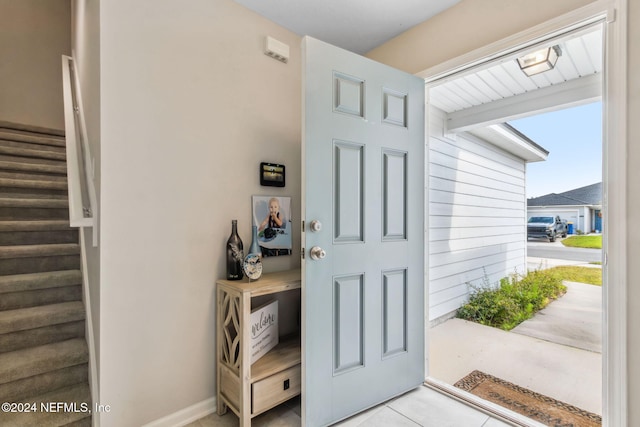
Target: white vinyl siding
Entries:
(477, 215)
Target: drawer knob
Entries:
(286, 385)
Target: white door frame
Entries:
(613, 13)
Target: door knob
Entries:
(317, 253)
(315, 225)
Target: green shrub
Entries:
(515, 300)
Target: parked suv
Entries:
(547, 226)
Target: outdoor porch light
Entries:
(540, 60)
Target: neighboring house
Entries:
(582, 207)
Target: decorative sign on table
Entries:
(264, 329)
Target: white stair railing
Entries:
(81, 188)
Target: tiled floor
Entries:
(420, 407)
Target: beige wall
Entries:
(190, 105)
(475, 23)
(468, 25)
(34, 34)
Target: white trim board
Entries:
(569, 94)
(614, 93)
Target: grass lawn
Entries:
(590, 241)
(589, 275)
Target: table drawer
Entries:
(273, 390)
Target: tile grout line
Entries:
(404, 416)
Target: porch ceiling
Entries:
(500, 91)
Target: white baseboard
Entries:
(186, 415)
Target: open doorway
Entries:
(478, 211)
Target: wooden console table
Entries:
(249, 390)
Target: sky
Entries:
(573, 138)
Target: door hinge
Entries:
(302, 225)
(302, 253)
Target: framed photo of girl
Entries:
(272, 216)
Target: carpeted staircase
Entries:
(43, 352)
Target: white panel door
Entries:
(363, 183)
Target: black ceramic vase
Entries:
(235, 254)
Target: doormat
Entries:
(536, 406)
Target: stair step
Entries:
(37, 232)
(11, 193)
(39, 264)
(38, 237)
(19, 390)
(14, 238)
(32, 361)
(24, 299)
(33, 167)
(44, 184)
(41, 336)
(32, 251)
(77, 396)
(35, 281)
(30, 128)
(14, 213)
(39, 258)
(32, 160)
(30, 143)
(34, 225)
(20, 206)
(34, 202)
(36, 317)
(14, 193)
(27, 176)
(29, 153)
(34, 139)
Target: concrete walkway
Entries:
(556, 353)
(575, 319)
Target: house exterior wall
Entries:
(34, 35)
(476, 216)
(190, 106)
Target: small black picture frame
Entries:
(272, 175)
